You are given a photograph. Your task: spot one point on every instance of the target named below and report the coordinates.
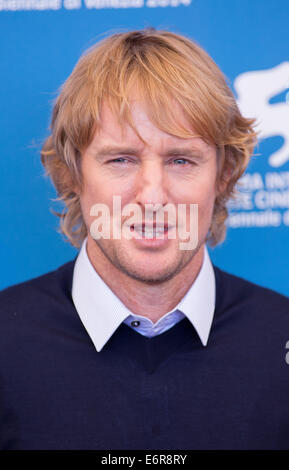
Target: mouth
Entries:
(150, 230)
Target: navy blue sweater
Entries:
(165, 392)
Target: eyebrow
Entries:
(189, 152)
(111, 151)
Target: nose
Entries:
(151, 184)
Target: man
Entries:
(137, 343)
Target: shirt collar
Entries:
(102, 312)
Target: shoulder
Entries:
(235, 290)
(35, 316)
(29, 295)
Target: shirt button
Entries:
(135, 323)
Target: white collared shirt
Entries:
(102, 312)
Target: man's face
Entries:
(164, 169)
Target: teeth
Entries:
(150, 233)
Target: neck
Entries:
(151, 301)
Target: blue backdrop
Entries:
(41, 41)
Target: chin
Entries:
(152, 278)
(154, 273)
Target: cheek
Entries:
(206, 203)
(199, 192)
(204, 195)
(91, 194)
(207, 190)
(95, 188)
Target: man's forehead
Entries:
(113, 131)
(141, 112)
(168, 148)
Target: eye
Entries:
(117, 160)
(181, 161)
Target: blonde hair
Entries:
(165, 68)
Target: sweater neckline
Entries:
(150, 353)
